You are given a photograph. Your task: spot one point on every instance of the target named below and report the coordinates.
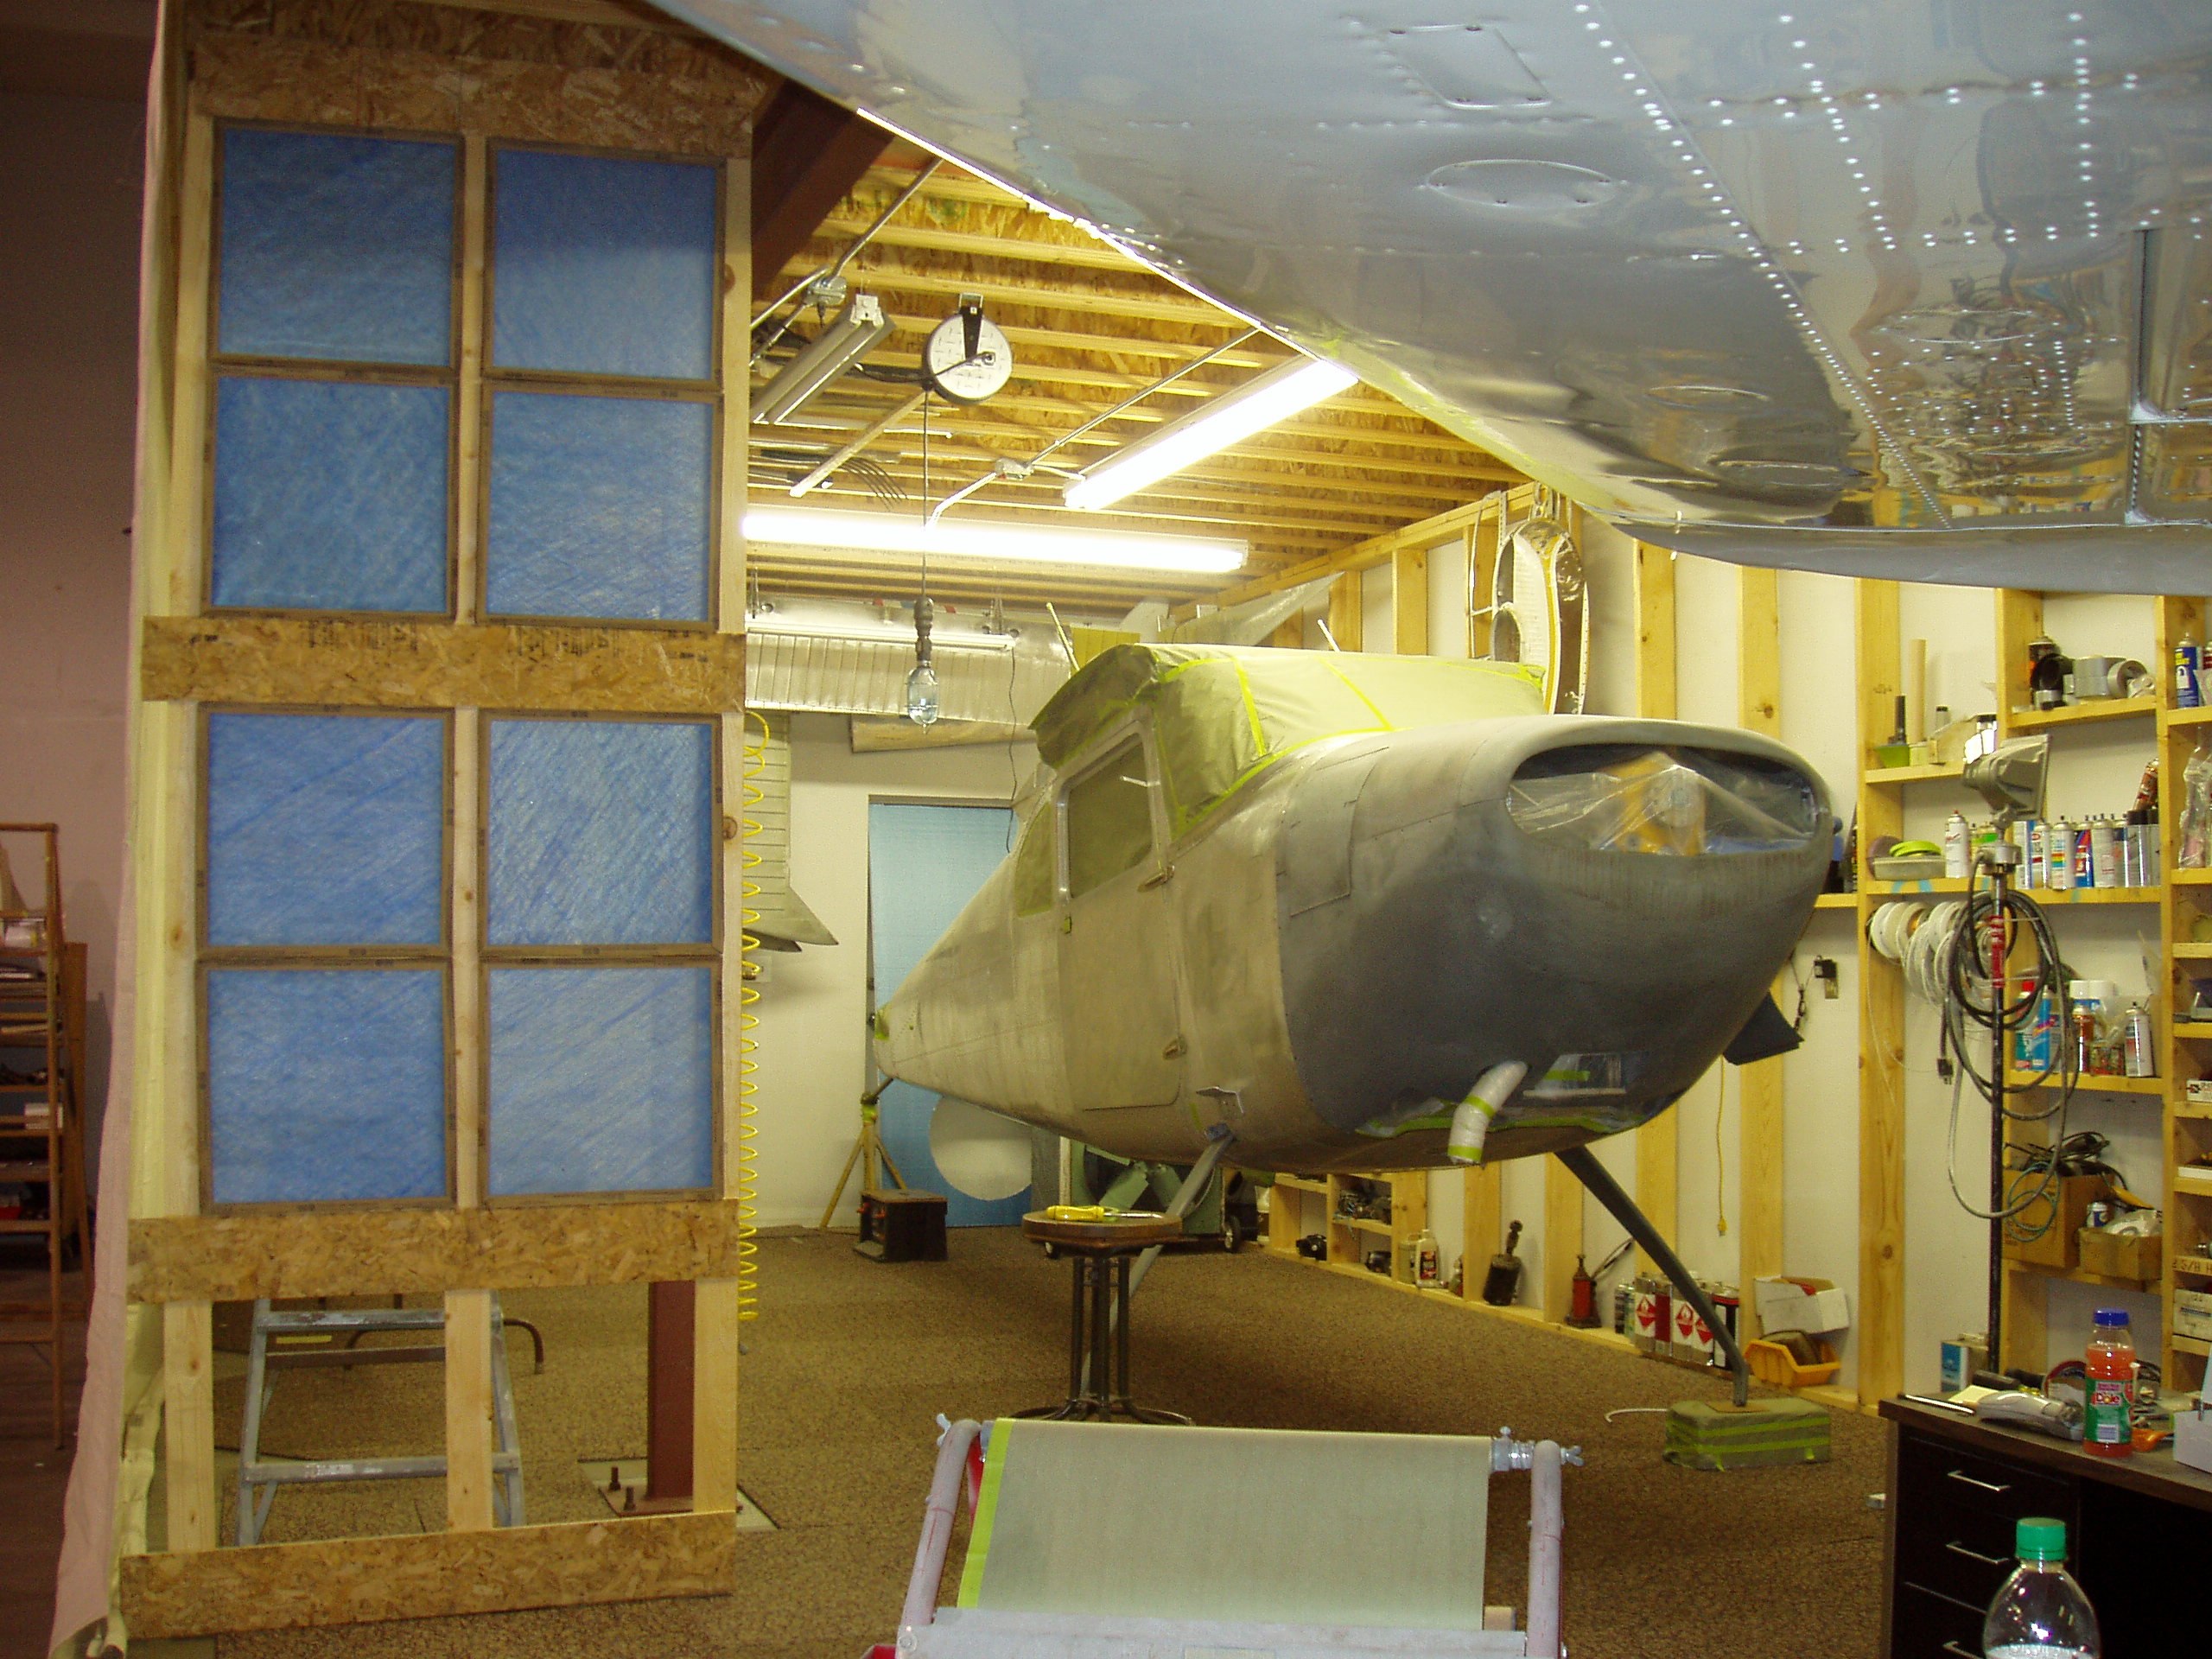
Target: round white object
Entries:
(955, 373)
(981, 1153)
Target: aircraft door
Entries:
(1118, 958)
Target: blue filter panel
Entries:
(600, 832)
(603, 266)
(326, 1084)
(601, 1080)
(326, 829)
(336, 247)
(598, 507)
(330, 495)
(924, 864)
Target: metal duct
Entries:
(827, 659)
(775, 915)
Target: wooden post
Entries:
(1481, 1227)
(1881, 1056)
(1410, 601)
(1656, 1154)
(468, 1410)
(1759, 1087)
(1562, 1237)
(1347, 612)
(189, 1423)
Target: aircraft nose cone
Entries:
(1604, 901)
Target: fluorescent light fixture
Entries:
(851, 335)
(1229, 418)
(992, 542)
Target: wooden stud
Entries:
(468, 1410)
(714, 1395)
(1409, 1219)
(189, 1424)
(1481, 1224)
(1347, 612)
(1410, 601)
(1881, 1057)
(1657, 1153)
(2179, 620)
(178, 593)
(468, 389)
(468, 978)
(1562, 1237)
(1759, 1087)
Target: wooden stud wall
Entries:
(385, 64)
(1759, 1087)
(1657, 1156)
(1881, 1030)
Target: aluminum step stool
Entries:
(258, 1480)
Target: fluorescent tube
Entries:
(993, 542)
(1229, 418)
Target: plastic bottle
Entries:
(2110, 1362)
(2040, 1612)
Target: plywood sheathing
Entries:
(417, 664)
(402, 65)
(371, 1252)
(354, 1580)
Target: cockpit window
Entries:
(1109, 820)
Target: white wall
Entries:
(69, 182)
(814, 1007)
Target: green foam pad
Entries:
(1763, 1434)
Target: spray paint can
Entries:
(2140, 1043)
(2187, 692)
(2058, 853)
(2085, 865)
(1954, 845)
(2104, 857)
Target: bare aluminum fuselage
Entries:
(1328, 964)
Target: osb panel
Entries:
(359, 1580)
(239, 1258)
(392, 64)
(415, 664)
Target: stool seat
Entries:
(1109, 1235)
(1100, 1252)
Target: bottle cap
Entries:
(2039, 1538)
(2111, 1316)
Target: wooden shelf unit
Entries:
(41, 1141)
(1350, 1238)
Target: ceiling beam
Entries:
(1361, 556)
(807, 155)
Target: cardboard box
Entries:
(2193, 1314)
(2193, 1432)
(1812, 1306)
(2121, 1255)
(2060, 1245)
(1962, 1356)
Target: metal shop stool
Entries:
(258, 1479)
(1098, 1347)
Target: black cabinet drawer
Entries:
(1933, 1626)
(1971, 1484)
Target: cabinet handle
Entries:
(1953, 1647)
(1976, 1556)
(1960, 1476)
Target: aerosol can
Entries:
(1429, 1260)
(1954, 846)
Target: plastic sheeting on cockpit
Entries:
(1631, 799)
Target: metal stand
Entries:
(1998, 862)
(1622, 1208)
(1098, 1349)
(258, 1479)
(868, 1151)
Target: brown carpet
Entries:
(851, 1361)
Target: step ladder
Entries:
(259, 1478)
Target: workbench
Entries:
(2138, 1530)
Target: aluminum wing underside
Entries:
(1917, 290)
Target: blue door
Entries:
(924, 864)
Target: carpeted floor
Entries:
(851, 1363)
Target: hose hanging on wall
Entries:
(748, 1246)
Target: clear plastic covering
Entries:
(1631, 798)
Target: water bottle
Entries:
(2041, 1613)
